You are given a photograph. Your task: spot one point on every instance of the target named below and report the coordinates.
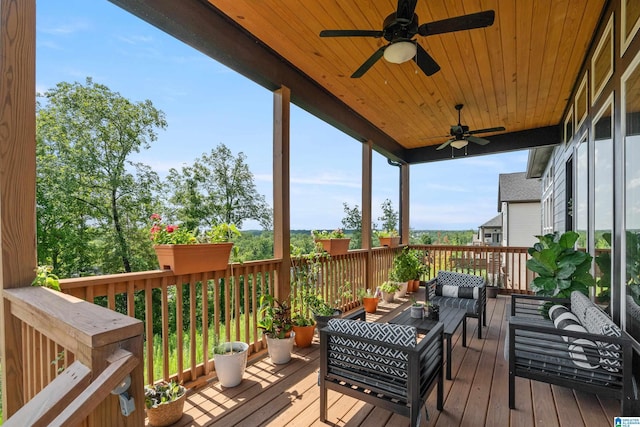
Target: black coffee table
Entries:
(451, 318)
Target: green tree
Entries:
(389, 216)
(353, 221)
(217, 188)
(87, 185)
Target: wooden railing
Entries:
(224, 304)
(66, 357)
(504, 267)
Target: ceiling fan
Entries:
(401, 26)
(461, 135)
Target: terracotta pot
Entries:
(303, 335)
(370, 304)
(335, 246)
(391, 242)
(185, 259)
(413, 286)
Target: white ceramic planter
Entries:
(230, 366)
(280, 349)
(402, 292)
(388, 296)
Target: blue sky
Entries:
(207, 104)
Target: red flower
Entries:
(171, 228)
(155, 217)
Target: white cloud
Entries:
(65, 29)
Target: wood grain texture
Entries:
(518, 73)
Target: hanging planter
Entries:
(185, 259)
(335, 246)
(391, 242)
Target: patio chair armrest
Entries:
(430, 289)
(529, 305)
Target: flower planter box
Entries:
(335, 246)
(391, 242)
(185, 259)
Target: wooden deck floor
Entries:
(288, 395)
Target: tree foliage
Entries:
(389, 216)
(92, 199)
(217, 188)
(353, 221)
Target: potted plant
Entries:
(45, 277)
(277, 328)
(560, 267)
(389, 238)
(184, 251)
(322, 311)
(304, 328)
(403, 270)
(334, 242)
(369, 300)
(230, 360)
(164, 402)
(417, 309)
(432, 311)
(389, 290)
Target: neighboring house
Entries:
(519, 204)
(490, 233)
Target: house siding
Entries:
(523, 224)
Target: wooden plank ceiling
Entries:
(518, 73)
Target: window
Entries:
(602, 62)
(603, 199)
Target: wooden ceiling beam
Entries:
(203, 27)
(513, 141)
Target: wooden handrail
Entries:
(121, 363)
(46, 405)
(96, 343)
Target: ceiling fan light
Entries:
(459, 143)
(400, 52)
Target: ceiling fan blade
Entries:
(446, 144)
(459, 23)
(425, 62)
(487, 130)
(406, 9)
(351, 33)
(477, 140)
(369, 62)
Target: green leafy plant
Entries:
(405, 266)
(172, 234)
(222, 233)
(560, 267)
(45, 277)
(162, 392)
(338, 233)
(389, 287)
(387, 233)
(275, 317)
(299, 319)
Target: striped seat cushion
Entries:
(470, 305)
(582, 351)
(368, 362)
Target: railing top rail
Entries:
(82, 282)
(69, 321)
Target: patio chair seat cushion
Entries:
(577, 361)
(470, 305)
(390, 363)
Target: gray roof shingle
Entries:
(514, 187)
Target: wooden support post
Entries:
(281, 194)
(17, 181)
(404, 200)
(367, 155)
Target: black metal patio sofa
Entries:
(382, 364)
(570, 343)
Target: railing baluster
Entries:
(193, 281)
(164, 288)
(179, 330)
(148, 314)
